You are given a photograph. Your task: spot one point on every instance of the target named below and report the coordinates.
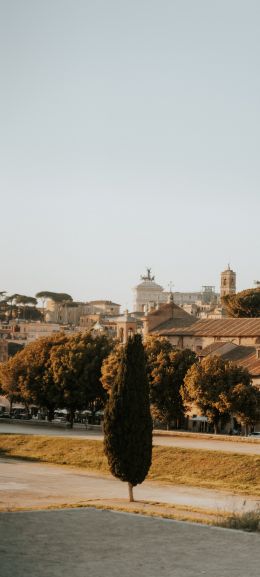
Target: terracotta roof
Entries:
(240, 355)
(243, 327)
(252, 364)
(211, 349)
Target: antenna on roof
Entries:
(171, 298)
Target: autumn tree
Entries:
(166, 379)
(128, 423)
(110, 367)
(60, 372)
(76, 371)
(211, 386)
(244, 403)
(153, 346)
(34, 374)
(9, 375)
(243, 304)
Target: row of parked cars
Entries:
(16, 414)
(61, 416)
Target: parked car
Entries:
(5, 415)
(256, 434)
(60, 417)
(20, 414)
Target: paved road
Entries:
(177, 441)
(27, 484)
(87, 542)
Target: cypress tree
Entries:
(127, 422)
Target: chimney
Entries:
(257, 352)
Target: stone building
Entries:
(228, 282)
(168, 316)
(65, 313)
(105, 307)
(71, 313)
(148, 294)
(127, 326)
(3, 350)
(202, 333)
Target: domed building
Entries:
(148, 294)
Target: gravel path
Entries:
(26, 484)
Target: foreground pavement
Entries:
(24, 484)
(88, 542)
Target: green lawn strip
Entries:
(194, 467)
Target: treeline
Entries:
(26, 307)
(78, 372)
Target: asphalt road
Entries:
(27, 484)
(88, 542)
(173, 441)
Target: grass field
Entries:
(210, 469)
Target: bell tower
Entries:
(228, 282)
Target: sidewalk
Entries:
(87, 542)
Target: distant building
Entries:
(65, 313)
(104, 307)
(71, 313)
(31, 331)
(202, 333)
(148, 293)
(3, 350)
(228, 282)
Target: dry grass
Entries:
(148, 508)
(198, 468)
(248, 521)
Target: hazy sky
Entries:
(129, 137)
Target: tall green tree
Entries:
(26, 303)
(243, 304)
(128, 423)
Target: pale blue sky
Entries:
(129, 137)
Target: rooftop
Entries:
(243, 327)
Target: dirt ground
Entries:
(26, 485)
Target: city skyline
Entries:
(169, 287)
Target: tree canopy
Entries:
(220, 389)
(76, 371)
(56, 297)
(128, 423)
(166, 369)
(243, 304)
(166, 378)
(58, 372)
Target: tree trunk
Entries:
(130, 490)
(50, 415)
(71, 418)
